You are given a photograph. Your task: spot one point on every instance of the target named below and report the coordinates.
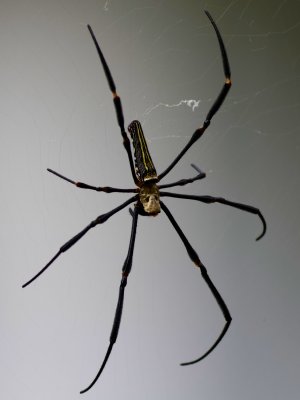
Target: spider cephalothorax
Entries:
(149, 198)
(146, 196)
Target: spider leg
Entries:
(99, 220)
(118, 314)
(117, 103)
(216, 105)
(211, 199)
(194, 257)
(183, 182)
(106, 189)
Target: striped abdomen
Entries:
(143, 163)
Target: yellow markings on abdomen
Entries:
(143, 162)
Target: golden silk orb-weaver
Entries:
(147, 197)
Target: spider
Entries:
(147, 197)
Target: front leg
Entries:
(221, 303)
(118, 314)
(65, 247)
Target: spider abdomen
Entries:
(144, 166)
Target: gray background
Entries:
(56, 111)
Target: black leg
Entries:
(215, 107)
(117, 103)
(194, 257)
(211, 199)
(118, 314)
(183, 182)
(106, 189)
(99, 220)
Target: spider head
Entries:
(149, 197)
